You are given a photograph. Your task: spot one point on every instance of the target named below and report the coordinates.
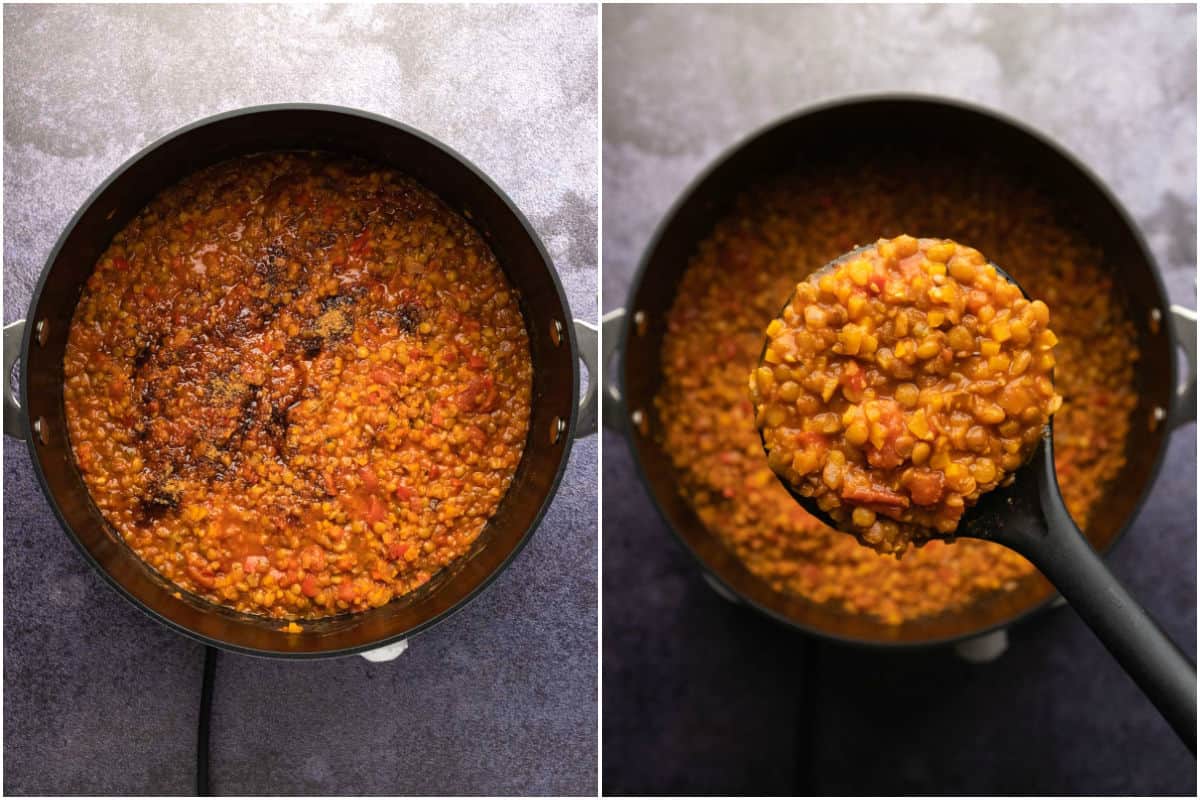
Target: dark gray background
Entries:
(501, 698)
(704, 697)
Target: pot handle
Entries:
(1183, 321)
(614, 406)
(14, 421)
(587, 334)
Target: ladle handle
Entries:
(1154, 662)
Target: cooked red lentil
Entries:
(298, 385)
(733, 287)
(901, 384)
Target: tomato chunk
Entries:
(874, 495)
(926, 486)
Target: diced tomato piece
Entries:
(312, 557)
(309, 586)
(476, 363)
(403, 492)
(386, 376)
(346, 591)
(369, 481)
(84, 453)
(121, 263)
(855, 379)
(480, 394)
(926, 486)
(375, 511)
(396, 550)
(874, 495)
(330, 486)
(256, 564)
(201, 576)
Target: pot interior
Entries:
(906, 130)
(345, 133)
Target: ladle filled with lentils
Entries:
(298, 385)
(900, 384)
(777, 232)
(904, 394)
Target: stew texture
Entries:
(298, 385)
(732, 289)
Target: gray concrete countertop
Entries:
(499, 699)
(704, 697)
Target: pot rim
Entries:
(913, 98)
(568, 333)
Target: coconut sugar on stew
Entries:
(297, 385)
(732, 288)
(902, 384)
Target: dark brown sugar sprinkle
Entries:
(298, 385)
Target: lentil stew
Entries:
(731, 289)
(298, 385)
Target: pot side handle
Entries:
(14, 421)
(589, 346)
(614, 406)
(1183, 321)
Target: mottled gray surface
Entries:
(703, 697)
(501, 698)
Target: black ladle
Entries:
(1030, 517)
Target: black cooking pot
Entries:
(555, 343)
(914, 127)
